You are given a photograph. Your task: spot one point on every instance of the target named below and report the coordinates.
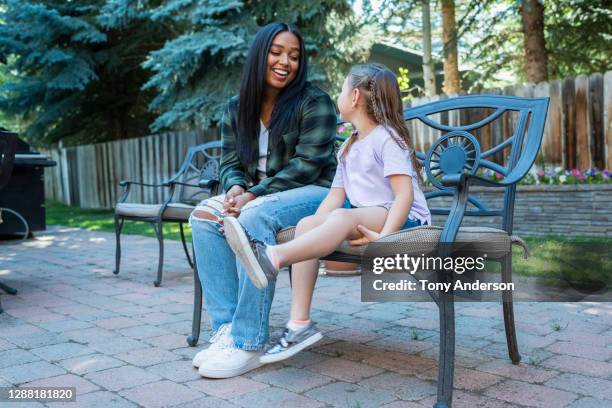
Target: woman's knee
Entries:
(202, 215)
(203, 225)
(258, 222)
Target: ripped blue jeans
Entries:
(228, 292)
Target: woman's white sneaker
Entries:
(220, 340)
(230, 362)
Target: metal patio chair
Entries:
(451, 164)
(195, 180)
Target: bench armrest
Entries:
(126, 183)
(208, 183)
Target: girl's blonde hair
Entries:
(381, 92)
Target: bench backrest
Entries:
(458, 150)
(201, 162)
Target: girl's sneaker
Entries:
(251, 252)
(291, 343)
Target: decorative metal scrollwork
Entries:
(454, 153)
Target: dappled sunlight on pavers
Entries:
(120, 340)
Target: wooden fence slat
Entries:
(569, 98)
(112, 172)
(607, 121)
(596, 135)
(108, 150)
(148, 171)
(101, 198)
(542, 90)
(140, 152)
(84, 175)
(90, 165)
(556, 125)
(82, 202)
(159, 167)
(582, 122)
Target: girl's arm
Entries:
(334, 199)
(398, 213)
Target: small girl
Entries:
(379, 175)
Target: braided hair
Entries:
(384, 105)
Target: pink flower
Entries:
(576, 173)
(341, 128)
(540, 173)
(498, 175)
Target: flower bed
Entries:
(560, 176)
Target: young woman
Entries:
(276, 167)
(379, 175)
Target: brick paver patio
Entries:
(121, 342)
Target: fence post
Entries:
(607, 121)
(582, 122)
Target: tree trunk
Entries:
(536, 65)
(452, 82)
(429, 76)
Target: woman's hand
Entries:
(367, 235)
(237, 203)
(230, 198)
(231, 194)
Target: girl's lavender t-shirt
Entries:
(364, 172)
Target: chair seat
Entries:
(173, 212)
(496, 243)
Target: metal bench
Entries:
(451, 164)
(195, 180)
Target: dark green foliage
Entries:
(77, 69)
(96, 70)
(490, 40)
(578, 37)
(196, 72)
(577, 34)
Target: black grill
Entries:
(25, 191)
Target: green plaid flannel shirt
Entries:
(305, 154)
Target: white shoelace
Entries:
(222, 339)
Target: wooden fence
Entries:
(578, 129)
(578, 133)
(87, 176)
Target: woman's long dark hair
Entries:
(252, 86)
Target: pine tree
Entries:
(78, 72)
(96, 70)
(196, 72)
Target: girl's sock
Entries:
(272, 256)
(297, 324)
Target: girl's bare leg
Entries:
(304, 274)
(322, 240)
